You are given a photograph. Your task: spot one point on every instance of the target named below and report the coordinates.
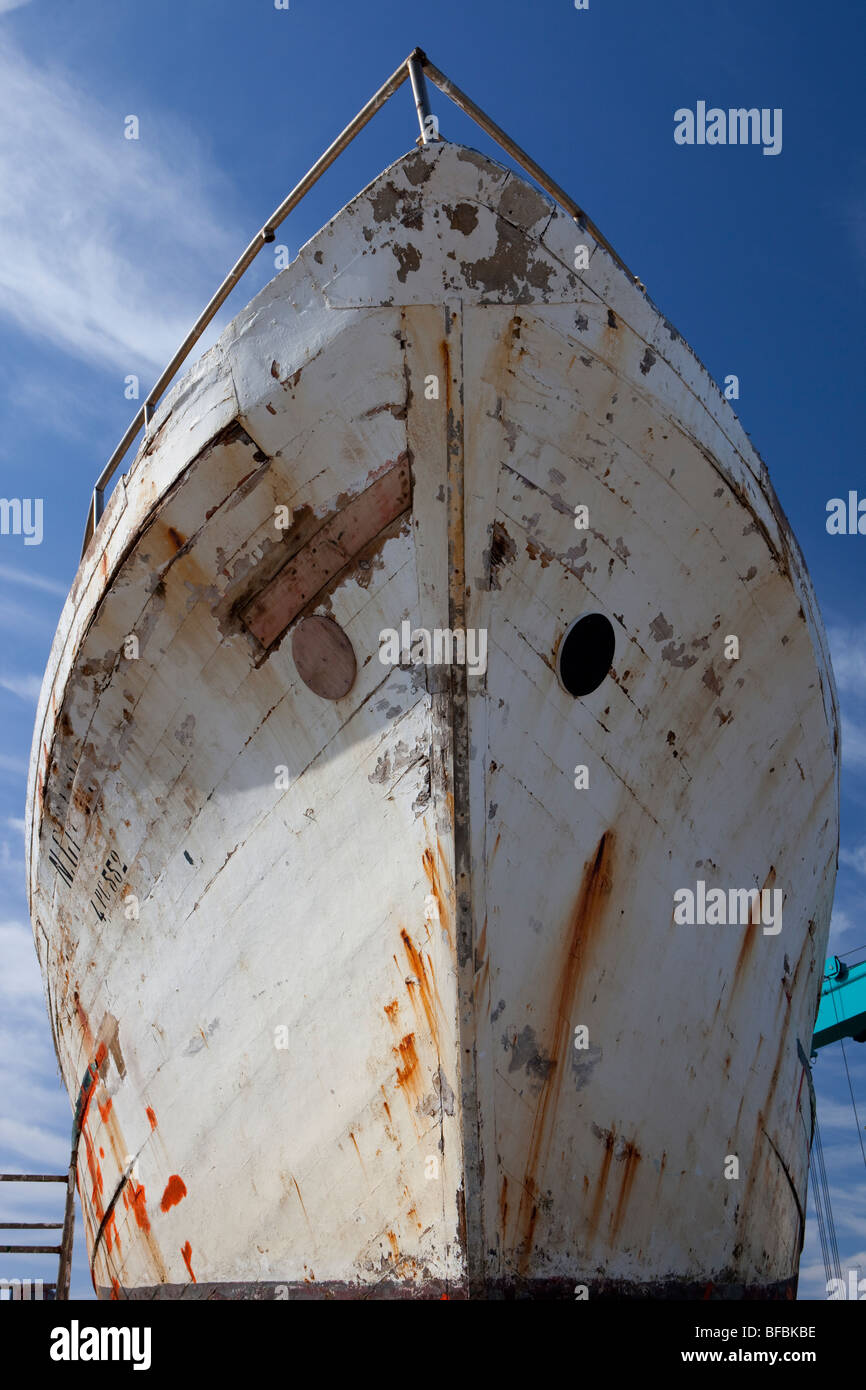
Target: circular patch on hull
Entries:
(324, 657)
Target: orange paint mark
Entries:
(95, 1172)
(175, 1191)
(391, 1010)
(104, 1110)
(392, 1240)
(111, 1236)
(186, 1251)
(84, 1021)
(101, 1152)
(138, 1205)
(151, 1117)
(115, 1290)
(93, 1070)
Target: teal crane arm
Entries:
(842, 1007)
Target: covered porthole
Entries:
(585, 654)
(324, 657)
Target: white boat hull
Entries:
(314, 966)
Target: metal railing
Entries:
(60, 1289)
(412, 68)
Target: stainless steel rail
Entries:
(259, 240)
(467, 105)
(412, 68)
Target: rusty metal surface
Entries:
(406, 880)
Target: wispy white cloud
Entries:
(35, 1143)
(10, 764)
(849, 1215)
(6, 5)
(20, 967)
(848, 655)
(25, 687)
(63, 405)
(841, 923)
(102, 238)
(854, 858)
(34, 1132)
(13, 575)
(13, 870)
(853, 744)
(835, 1114)
(813, 1276)
(23, 624)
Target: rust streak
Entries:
(358, 1152)
(340, 541)
(585, 921)
(409, 1073)
(631, 1159)
(436, 889)
(598, 1199)
(139, 1206)
(430, 1001)
(408, 1061)
(750, 936)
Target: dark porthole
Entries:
(585, 654)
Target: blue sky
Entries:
(110, 247)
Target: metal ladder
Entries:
(60, 1289)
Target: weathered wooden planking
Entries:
(335, 545)
(403, 884)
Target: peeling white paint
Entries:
(429, 909)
